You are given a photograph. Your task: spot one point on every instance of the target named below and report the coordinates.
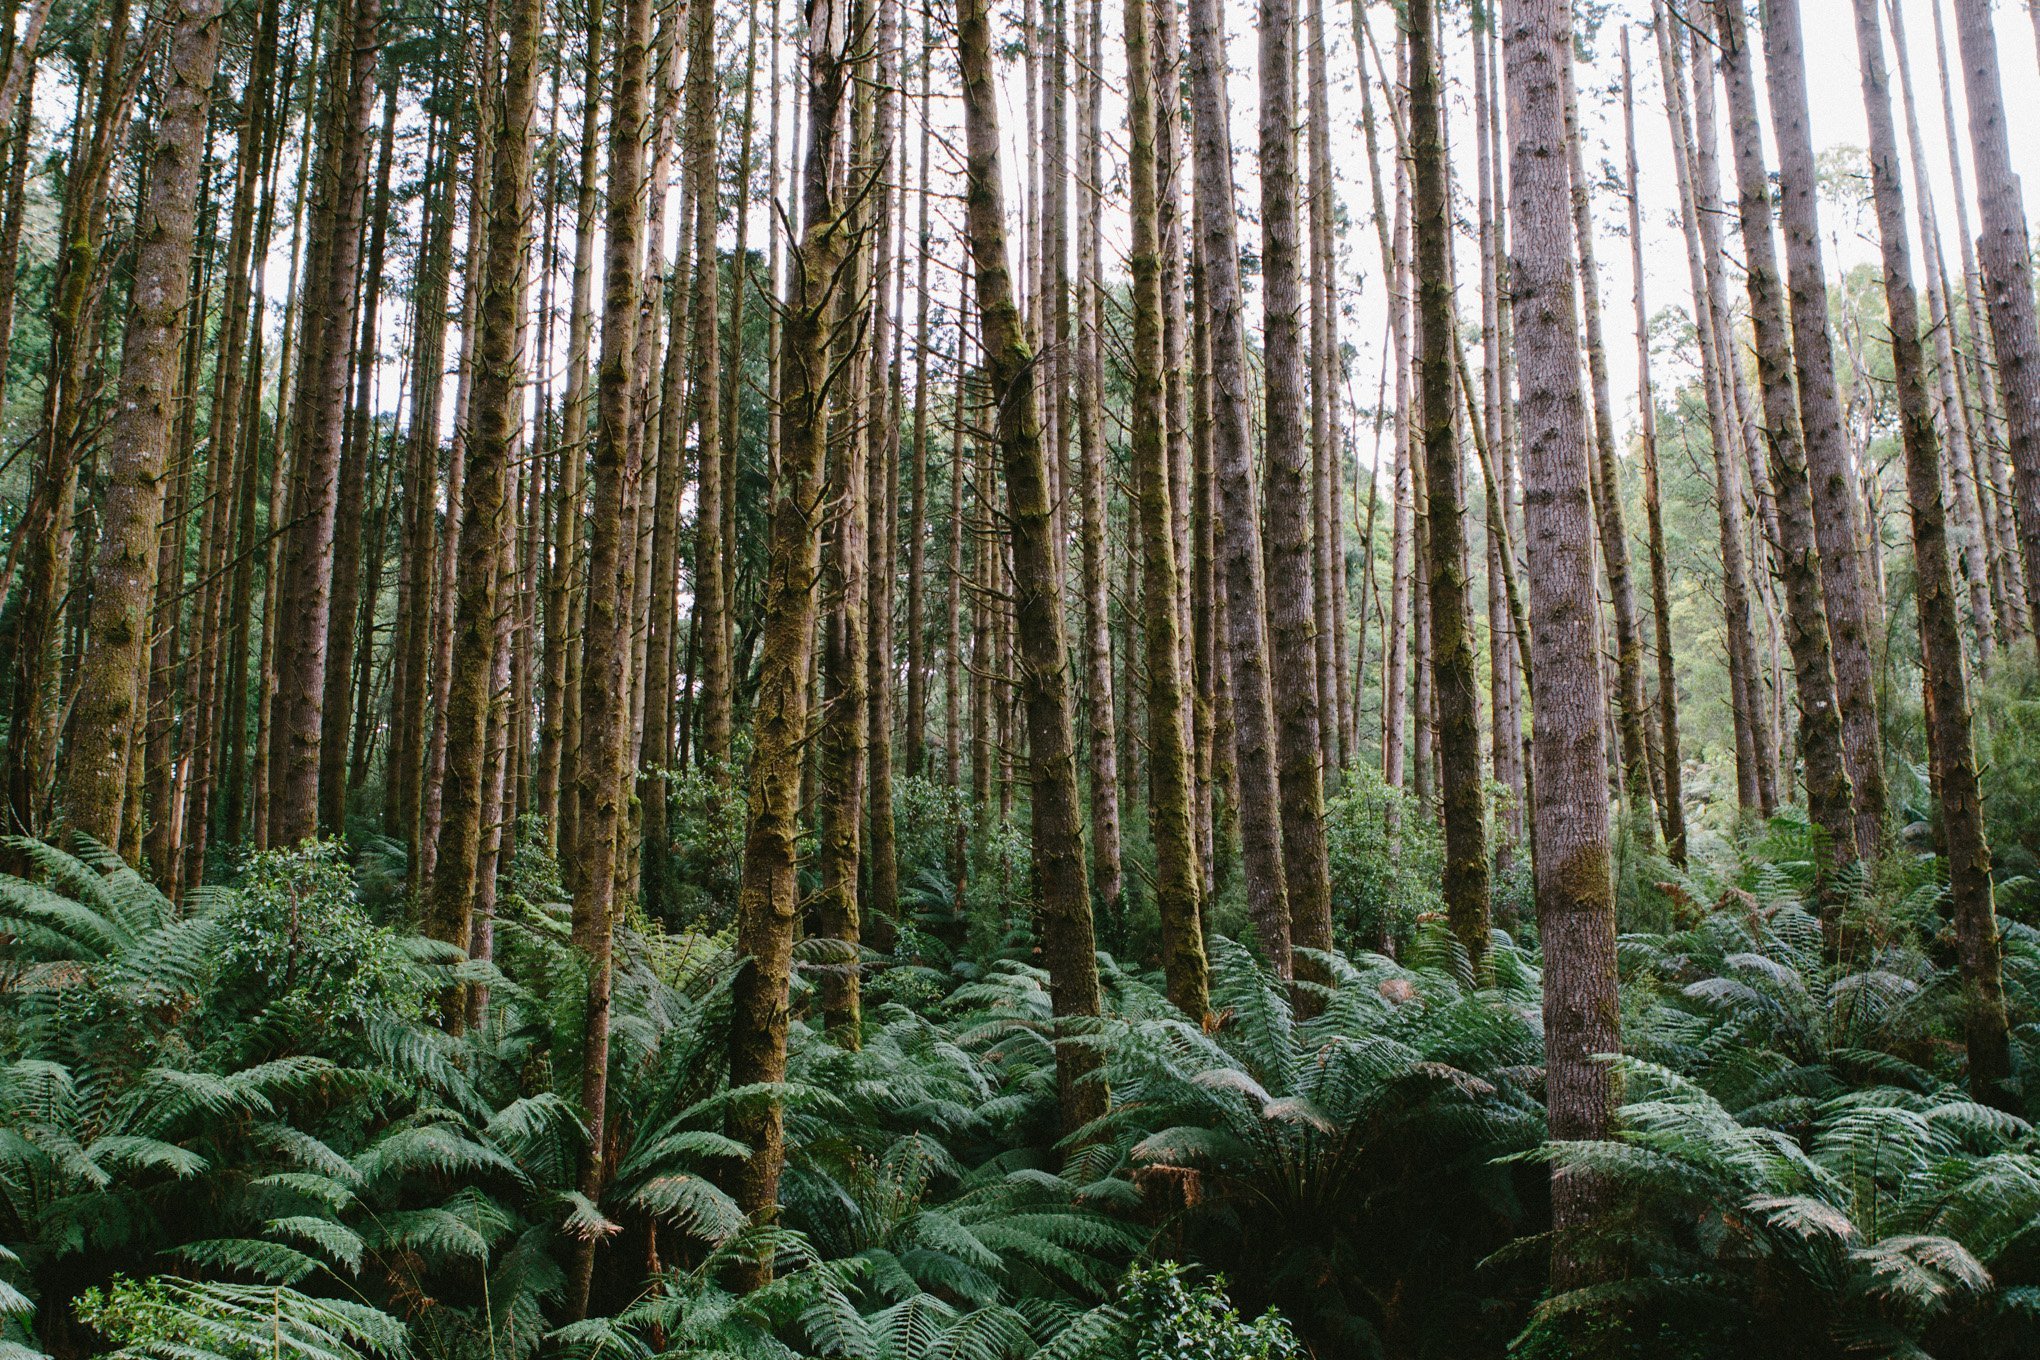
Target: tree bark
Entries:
(1063, 896)
(1178, 878)
(1968, 848)
(1569, 814)
(1239, 534)
(1463, 792)
(124, 569)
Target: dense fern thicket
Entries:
(236, 1127)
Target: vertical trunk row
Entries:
(768, 896)
(1837, 519)
(297, 728)
(1829, 789)
(1672, 811)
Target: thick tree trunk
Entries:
(124, 569)
(1569, 814)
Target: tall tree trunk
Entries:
(1239, 533)
(915, 737)
(1290, 493)
(1569, 815)
(1829, 794)
(1092, 454)
(1845, 584)
(600, 773)
(124, 569)
(498, 416)
(1178, 879)
(711, 605)
(1985, 1025)
(768, 896)
(1062, 894)
(1463, 790)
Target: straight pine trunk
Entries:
(1062, 894)
(1968, 848)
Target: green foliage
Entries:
(1177, 1318)
(243, 1109)
(186, 1320)
(294, 936)
(1387, 860)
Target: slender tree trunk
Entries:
(1239, 534)
(1968, 848)
(1178, 878)
(1463, 792)
(1057, 833)
(915, 737)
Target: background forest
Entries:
(934, 681)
